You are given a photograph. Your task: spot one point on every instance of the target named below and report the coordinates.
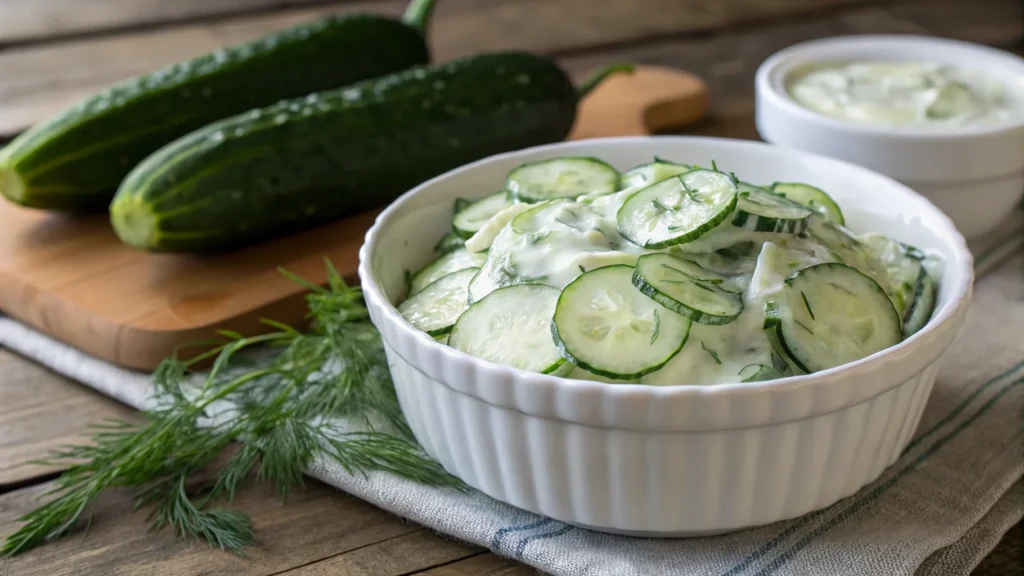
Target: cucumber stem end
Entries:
(12, 186)
(417, 14)
(599, 76)
(134, 224)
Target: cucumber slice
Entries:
(565, 177)
(498, 272)
(488, 233)
(844, 247)
(677, 210)
(831, 314)
(443, 339)
(511, 326)
(761, 211)
(558, 214)
(780, 356)
(435, 309)
(779, 368)
(605, 326)
(814, 198)
(578, 373)
(448, 242)
(473, 217)
(920, 309)
(901, 262)
(951, 99)
(458, 259)
(653, 172)
(687, 289)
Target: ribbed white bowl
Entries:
(674, 460)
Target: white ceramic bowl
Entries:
(974, 174)
(675, 460)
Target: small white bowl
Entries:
(674, 460)
(975, 174)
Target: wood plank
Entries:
(570, 26)
(44, 20)
(40, 411)
(482, 565)
(728, 61)
(402, 555)
(42, 80)
(316, 523)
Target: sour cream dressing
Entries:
(559, 240)
(905, 93)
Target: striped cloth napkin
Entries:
(937, 511)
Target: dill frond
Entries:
(287, 396)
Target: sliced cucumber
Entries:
(443, 339)
(653, 172)
(761, 211)
(499, 272)
(511, 326)
(844, 247)
(677, 210)
(448, 242)
(687, 289)
(814, 198)
(605, 326)
(779, 368)
(779, 352)
(950, 100)
(435, 309)
(578, 373)
(458, 259)
(565, 177)
(920, 309)
(902, 263)
(557, 215)
(831, 314)
(474, 216)
(488, 233)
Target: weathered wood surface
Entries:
(46, 20)
(320, 530)
(39, 411)
(41, 80)
(316, 525)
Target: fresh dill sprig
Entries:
(281, 394)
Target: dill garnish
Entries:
(714, 355)
(323, 393)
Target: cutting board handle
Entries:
(650, 100)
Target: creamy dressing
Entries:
(555, 242)
(905, 93)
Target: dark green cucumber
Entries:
(78, 158)
(310, 160)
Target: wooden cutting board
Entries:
(70, 277)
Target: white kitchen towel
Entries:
(938, 510)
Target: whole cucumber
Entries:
(310, 160)
(77, 159)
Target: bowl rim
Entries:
(932, 332)
(801, 53)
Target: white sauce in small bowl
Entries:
(916, 94)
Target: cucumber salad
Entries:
(666, 274)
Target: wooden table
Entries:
(53, 52)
